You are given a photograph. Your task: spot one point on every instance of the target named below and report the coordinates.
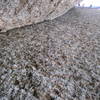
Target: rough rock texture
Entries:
(16, 13)
(53, 60)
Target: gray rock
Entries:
(17, 13)
(53, 60)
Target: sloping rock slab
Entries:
(54, 60)
(17, 13)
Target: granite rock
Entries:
(53, 60)
(17, 13)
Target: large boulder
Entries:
(16, 13)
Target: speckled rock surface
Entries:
(53, 60)
(17, 13)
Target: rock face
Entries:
(16, 13)
(53, 60)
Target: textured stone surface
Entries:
(54, 60)
(16, 13)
